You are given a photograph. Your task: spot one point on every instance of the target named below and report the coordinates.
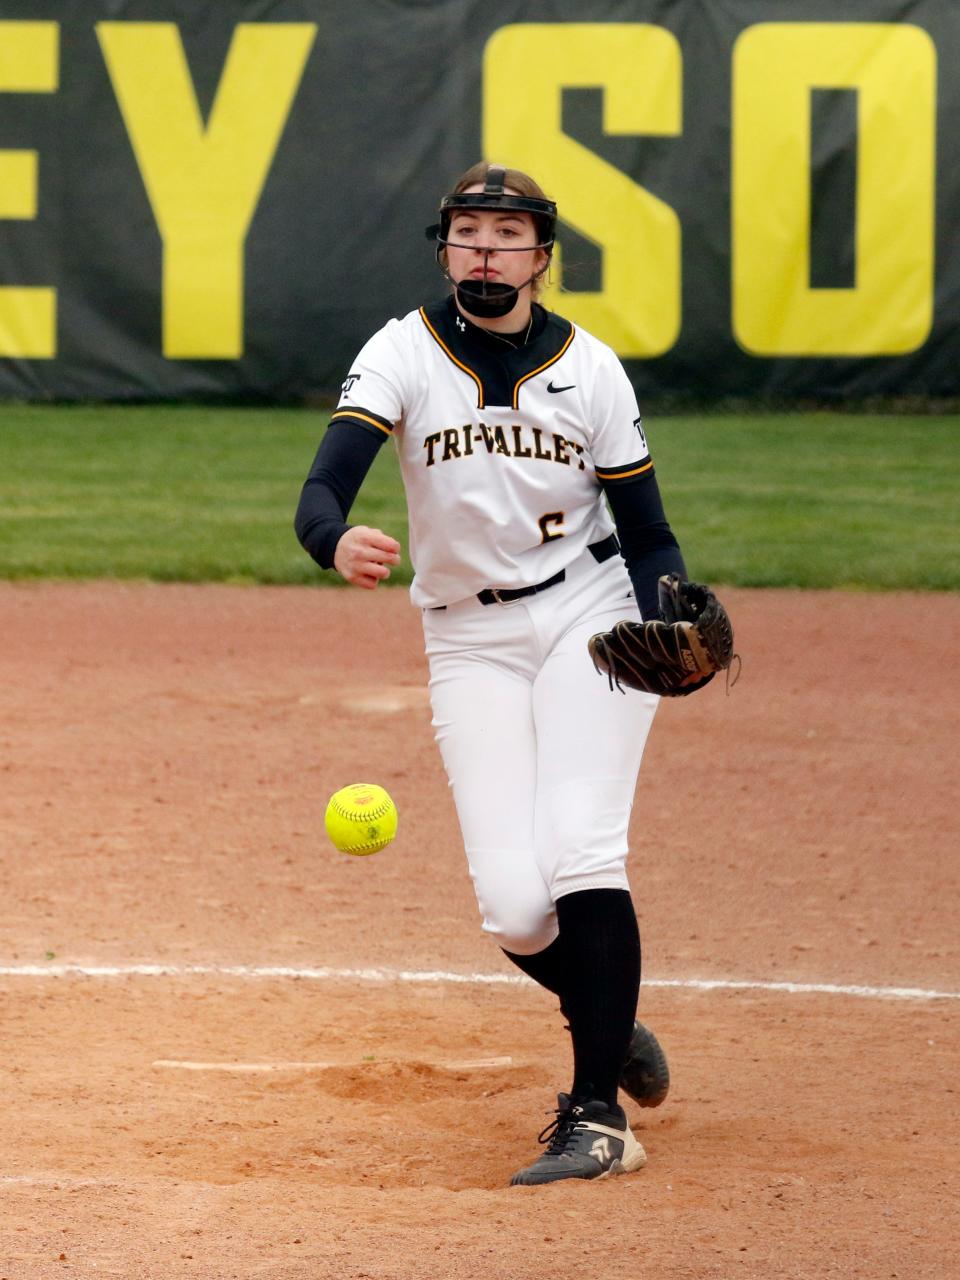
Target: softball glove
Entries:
(674, 655)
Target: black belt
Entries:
(499, 595)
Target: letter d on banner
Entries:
(889, 309)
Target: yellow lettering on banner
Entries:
(204, 183)
(890, 308)
(526, 67)
(18, 184)
(29, 63)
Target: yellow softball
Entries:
(361, 818)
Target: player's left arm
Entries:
(647, 542)
(625, 471)
(686, 635)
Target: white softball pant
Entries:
(541, 756)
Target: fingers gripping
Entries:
(363, 556)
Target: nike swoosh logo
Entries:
(553, 390)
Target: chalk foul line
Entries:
(330, 974)
(252, 1068)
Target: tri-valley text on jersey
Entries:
(514, 441)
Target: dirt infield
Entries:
(246, 1108)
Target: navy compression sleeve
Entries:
(343, 459)
(646, 539)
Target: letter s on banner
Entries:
(526, 67)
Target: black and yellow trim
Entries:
(540, 368)
(481, 404)
(498, 371)
(630, 470)
(363, 416)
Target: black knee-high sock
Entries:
(548, 967)
(601, 983)
(593, 966)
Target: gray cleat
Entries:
(587, 1140)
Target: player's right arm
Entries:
(372, 401)
(363, 555)
(343, 459)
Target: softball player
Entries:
(518, 436)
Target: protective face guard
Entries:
(490, 298)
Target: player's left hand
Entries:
(674, 655)
(363, 556)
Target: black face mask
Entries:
(490, 299)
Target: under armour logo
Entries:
(461, 325)
(348, 382)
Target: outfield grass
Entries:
(208, 494)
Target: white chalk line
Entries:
(434, 976)
(251, 1068)
(54, 1180)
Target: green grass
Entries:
(208, 494)
(815, 500)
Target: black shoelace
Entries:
(559, 1133)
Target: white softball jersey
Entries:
(502, 456)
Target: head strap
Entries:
(496, 176)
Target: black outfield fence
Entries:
(225, 198)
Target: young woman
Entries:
(518, 436)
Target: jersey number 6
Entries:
(546, 533)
